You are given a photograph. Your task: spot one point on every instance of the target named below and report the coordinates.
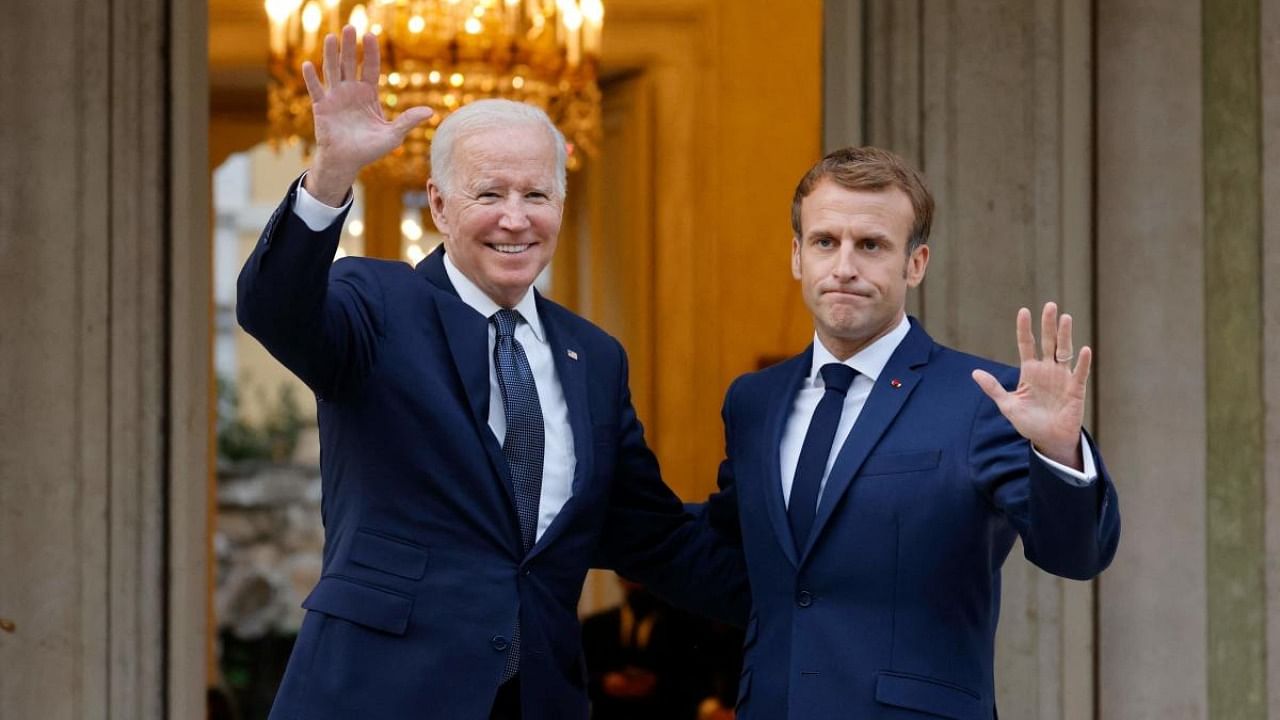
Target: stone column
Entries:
(104, 377)
(1187, 247)
(992, 100)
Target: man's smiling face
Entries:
(501, 216)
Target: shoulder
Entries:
(760, 384)
(948, 364)
(578, 329)
(371, 268)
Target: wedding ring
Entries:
(1067, 359)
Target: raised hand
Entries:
(1047, 407)
(351, 131)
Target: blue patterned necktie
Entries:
(815, 452)
(523, 445)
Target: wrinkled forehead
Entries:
(521, 153)
(832, 208)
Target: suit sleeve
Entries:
(1069, 530)
(679, 554)
(321, 319)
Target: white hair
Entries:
(489, 114)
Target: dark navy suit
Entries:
(888, 611)
(423, 573)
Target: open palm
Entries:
(350, 129)
(1047, 407)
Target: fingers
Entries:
(411, 118)
(1026, 343)
(348, 55)
(330, 62)
(1048, 330)
(1063, 352)
(315, 88)
(1081, 373)
(990, 386)
(371, 65)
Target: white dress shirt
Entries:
(869, 362)
(558, 459)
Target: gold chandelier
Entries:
(445, 54)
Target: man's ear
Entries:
(795, 257)
(435, 199)
(916, 265)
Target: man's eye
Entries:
(536, 195)
(824, 242)
(871, 244)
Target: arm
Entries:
(686, 556)
(1068, 528)
(323, 328)
(318, 318)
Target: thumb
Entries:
(990, 386)
(411, 118)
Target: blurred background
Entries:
(159, 482)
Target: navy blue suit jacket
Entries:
(423, 575)
(889, 611)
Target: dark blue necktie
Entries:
(523, 445)
(803, 505)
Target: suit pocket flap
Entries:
(389, 555)
(888, 463)
(927, 695)
(361, 604)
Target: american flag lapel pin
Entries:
(573, 355)
(895, 383)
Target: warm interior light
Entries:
(411, 229)
(572, 16)
(550, 52)
(414, 253)
(355, 228)
(312, 16)
(278, 10)
(359, 20)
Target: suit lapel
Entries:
(466, 332)
(886, 400)
(571, 368)
(780, 405)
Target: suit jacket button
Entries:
(500, 643)
(804, 598)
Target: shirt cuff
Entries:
(314, 213)
(1072, 476)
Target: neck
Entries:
(844, 348)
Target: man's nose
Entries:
(846, 262)
(515, 216)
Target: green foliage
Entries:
(274, 439)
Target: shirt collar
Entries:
(869, 361)
(472, 295)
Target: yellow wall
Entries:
(715, 116)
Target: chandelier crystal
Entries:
(445, 54)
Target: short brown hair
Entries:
(870, 168)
